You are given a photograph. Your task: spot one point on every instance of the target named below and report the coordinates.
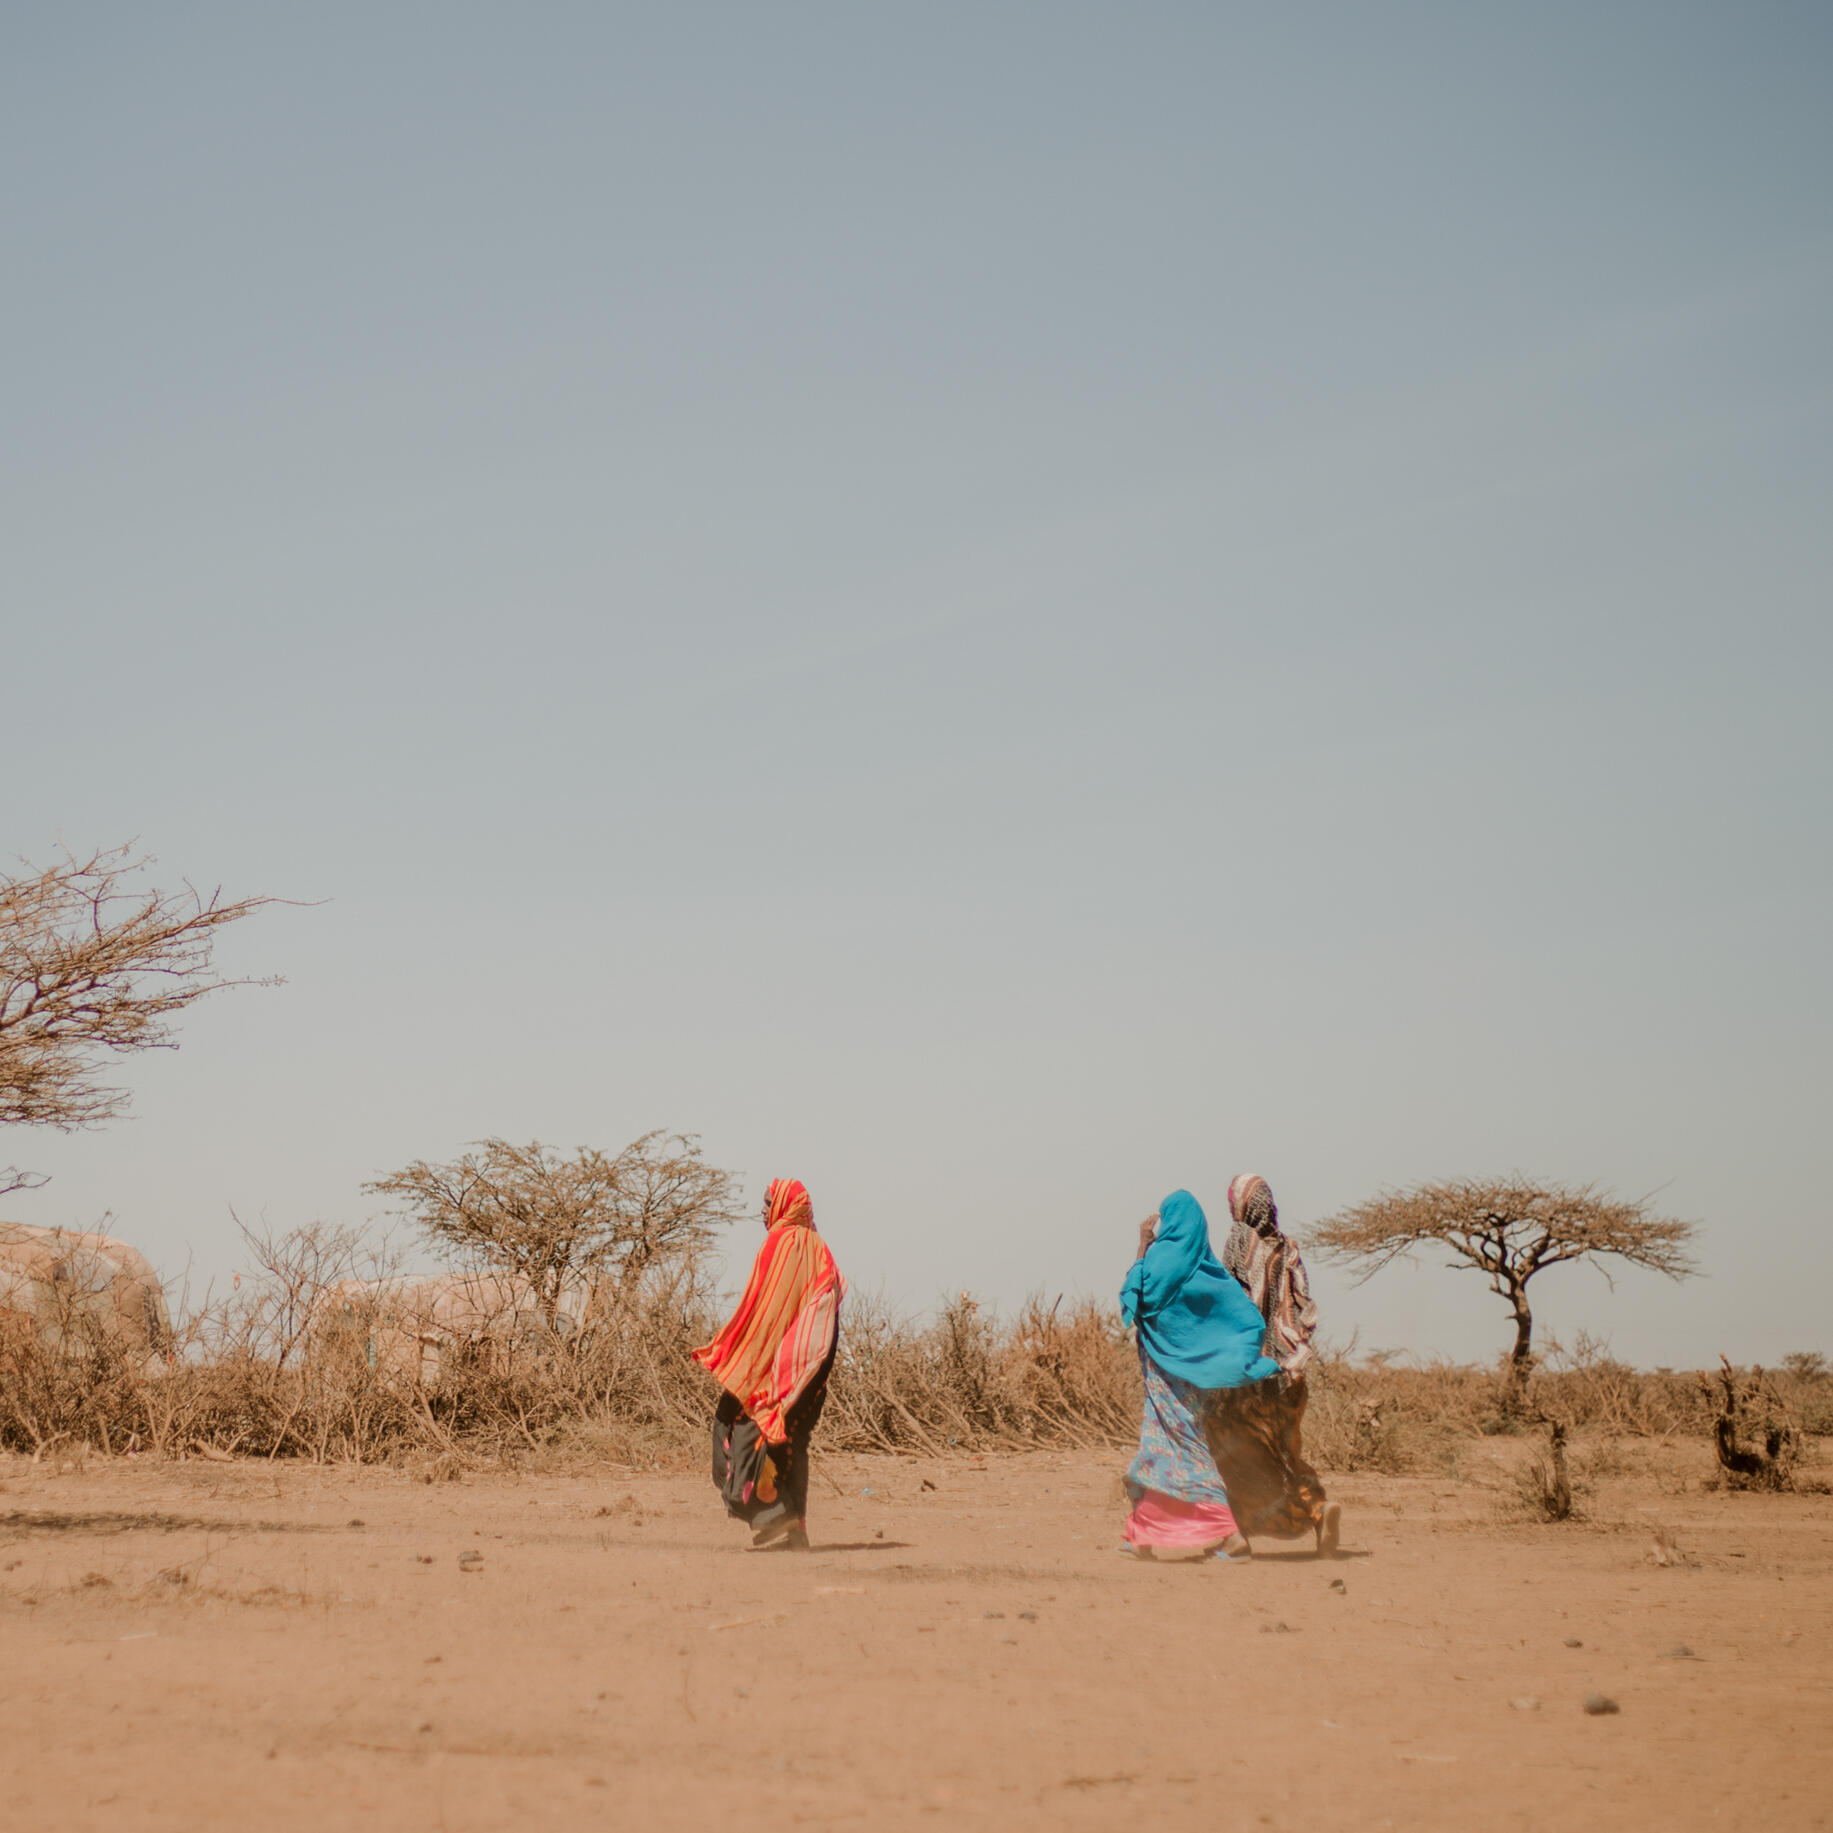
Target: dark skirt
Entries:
(764, 1483)
(1253, 1435)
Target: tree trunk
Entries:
(1521, 1357)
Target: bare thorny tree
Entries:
(555, 1220)
(1511, 1231)
(94, 965)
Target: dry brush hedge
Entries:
(257, 1376)
(624, 1385)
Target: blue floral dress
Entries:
(1173, 1456)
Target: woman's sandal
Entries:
(1232, 1551)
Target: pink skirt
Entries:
(1163, 1521)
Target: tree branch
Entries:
(90, 966)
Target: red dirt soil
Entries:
(207, 1646)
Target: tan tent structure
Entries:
(72, 1289)
(414, 1327)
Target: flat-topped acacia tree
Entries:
(1510, 1230)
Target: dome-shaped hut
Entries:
(418, 1327)
(73, 1291)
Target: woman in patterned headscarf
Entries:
(773, 1359)
(1254, 1432)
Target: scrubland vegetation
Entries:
(276, 1369)
(587, 1283)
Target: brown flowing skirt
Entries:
(1253, 1435)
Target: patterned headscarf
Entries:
(787, 1202)
(1250, 1201)
(1268, 1265)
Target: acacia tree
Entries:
(555, 1220)
(1510, 1230)
(93, 965)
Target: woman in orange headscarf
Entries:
(772, 1359)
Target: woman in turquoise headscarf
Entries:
(1198, 1332)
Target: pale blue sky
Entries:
(996, 607)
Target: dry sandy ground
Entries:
(201, 1646)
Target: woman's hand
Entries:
(1148, 1232)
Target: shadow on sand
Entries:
(839, 1546)
(1309, 1556)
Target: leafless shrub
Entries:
(1758, 1445)
(1544, 1482)
(556, 1221)
(293, 1271)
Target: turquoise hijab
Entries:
(1193, 1318)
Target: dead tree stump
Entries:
(1546, 1482)
(1559, 1489)
(1767, 1460)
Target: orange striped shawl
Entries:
(783, 1328)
